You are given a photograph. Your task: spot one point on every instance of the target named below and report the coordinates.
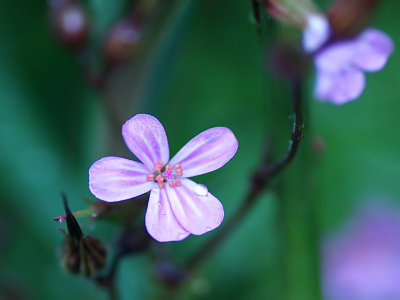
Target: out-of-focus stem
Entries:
(297, 223)
(261, 179)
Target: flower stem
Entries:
(261, 179)
(298, 229)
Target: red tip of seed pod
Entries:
(60, 218)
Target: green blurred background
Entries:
(206, 70)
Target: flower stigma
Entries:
(166, 174)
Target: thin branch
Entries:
(261, 179)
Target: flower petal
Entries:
(337, 56)
(373, 50)
(115, 178)
(206, 152)
(339, 87)
(146, 138)
(316, 33)
(160, 220)
(197, 214)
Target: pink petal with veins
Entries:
(197, 214)
(161, 223)
(114, 179)
(146, 138)
(206, 152)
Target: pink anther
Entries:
(161, 184)
(172, 183)
(158, 166)
(159, 178)
(179, 171)
(150, 177)
(169, 167)
(177, 182)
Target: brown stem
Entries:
(261, 179)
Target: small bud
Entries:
(122, 40)
(70, 23)
(318, 145)
(170, 273)
(294, 13)
(348, 18)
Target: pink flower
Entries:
(363, 261)
(177, 206)
(340, 65)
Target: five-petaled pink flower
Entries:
(177, 206)
(340, 65)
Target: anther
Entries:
(159, 178)
(169, 167)
(177, 182)
(150, 177)
(179, 171)
(172, 183)
(158, 166)
(161, 184)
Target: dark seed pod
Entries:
(81, 254)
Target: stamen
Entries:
(178, 169)
(161, 184)
(169, 167)
(159, 178)
(172, 183)
(177, 182)
(150, 177)
(158, 166)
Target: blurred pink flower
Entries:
(363, 261)
(177, 206)
(340, 65)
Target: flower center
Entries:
(166, 174)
